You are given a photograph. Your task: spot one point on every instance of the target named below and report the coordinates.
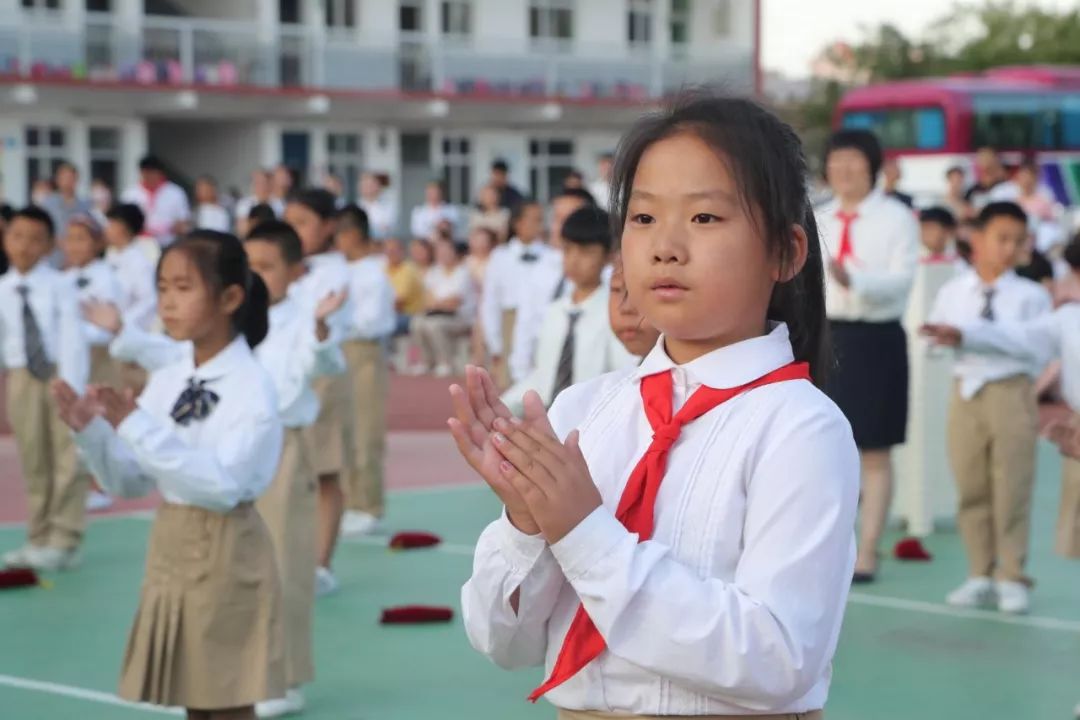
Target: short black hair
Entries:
(319, 200)
(1037, 269)
(152, 162)
(6, 212)
(864, 141)
(954, 169)
(500, 166)
(36, 214)
(1003, 208)
(1029, 162)
(65, 164)
(353, 217)
(261, 212)
(129, 215)
(280, 233)
(588, 225)
(1072, 253)
(581, 193)
(939, 215)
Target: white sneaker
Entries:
(443, 371)
(21, 557)
(291, 704)
(325, 582)
(1012, 597)
(50, 559)
(975, 592)
(1076, 711)
(356, 523)
(96, 501)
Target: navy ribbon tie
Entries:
(529, 258)
(82, 282)
(196, 402)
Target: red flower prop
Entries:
(911, 549)
(414, 539)
(17, 577)
(416, 614)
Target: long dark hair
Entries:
(766, 160)
(221, 262)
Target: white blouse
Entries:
(138, 285)
(885, 241)
(95, 281)
(225, 459)
(1015, 299)
(55, 305)
(371, 297)
(508, 280)
(456, 284)
(326, 273)
(291, 353)
(1049, 335)
(735, 604)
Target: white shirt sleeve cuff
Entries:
(520, 550)
(136, 426)
(588, 543)
(95, 434)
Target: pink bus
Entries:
(933, 124)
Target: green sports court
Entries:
(903, 654)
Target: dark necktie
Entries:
(529, 257)
(559, 289)
(564, 374)
(988, 306)
(195, 402)
(82, 281)
(37, 362)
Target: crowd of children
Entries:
(129, 370)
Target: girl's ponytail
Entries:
(252, 317)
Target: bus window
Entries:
(901, 129)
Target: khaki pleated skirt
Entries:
(104, 370)
(289, 509)
(330, 438)
(1068, 533)
(208, 632)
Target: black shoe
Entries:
(863, 578)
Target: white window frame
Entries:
(677, 17)
(112, 155)
(640, 17)
(452, 162)
(340, 161)
(543, 161)
(460, 10)
(44, 153)
(342, 10)
(545, 37)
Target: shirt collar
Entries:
(39, 268)
(280, 312)
(976, 283)
(221, 364)
(727, 367)
(331, 257)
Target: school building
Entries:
(413, 88)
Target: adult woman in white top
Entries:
(449, 309)
(872, 241)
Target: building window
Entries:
(722, 18)
(457, 18)
(105, 155)
(457, 170)
(42, 5)
(46, 147)
(639, 23)
(99, 6)
(411, 16)
(289, 12)
(679, 24)
(340, 14)
(344, 158)
(550, 161)
(551, 22)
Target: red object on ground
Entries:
(17, 577)
(416, 614)
(414, 539)
(911, 548)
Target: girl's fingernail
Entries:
(514, 420)
(498, 438)
(506, 467)
(499, 424)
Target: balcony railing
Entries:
(221, 53)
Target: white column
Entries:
(78, 151)
(269, 143)
(13, 181)
(317, 159)
(134, 144)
